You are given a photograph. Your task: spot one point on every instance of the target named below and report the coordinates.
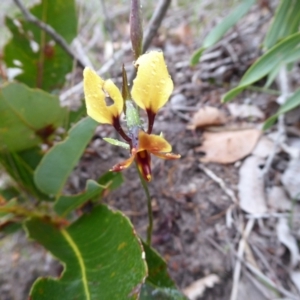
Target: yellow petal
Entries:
(153, 85)
(94, 90)
(153, 143)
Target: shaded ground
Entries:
(192, 226)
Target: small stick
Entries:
(155, 22)
(240, 254)
(259, 274)
(49, 30)
(220, 182)
(265, 292)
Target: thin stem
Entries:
(150, 214)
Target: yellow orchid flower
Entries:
(151, 89)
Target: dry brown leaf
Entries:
(251, 186)
(228, 147)
(207, 116)
(197, 288)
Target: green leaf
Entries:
(58, 163)
(285, 22)
(10, 227)
(112, 180)
(291, 103)
(65, 204)
(218, 32)
(272, 75)
(9, 193)
(102, 255)
(150, 292)
(157, 269)
(24, 116)
(107, 182)
(116, 142)
(158, 284)
(76, 116)
(196, 56)
(266, 64)
(43, 63)
(20, 166)
(293, 57)
(270, 122)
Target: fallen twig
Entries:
(220, 182)
(155, 22)
(269, 282)
(50, 31)
(240, 254)
(260, 275)
(264, 291)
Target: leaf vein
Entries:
(80, 260)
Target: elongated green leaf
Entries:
(56, 166)
(291, 103)
(107, 182)
(65, 204)
(218, 32)
(27, 116)
(196, 56)
(293, 57)
(20, 166)
(102, 255)
(42, 62)
(266, 64)
(285, 22)
(273, 74)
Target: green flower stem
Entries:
(150, 214)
